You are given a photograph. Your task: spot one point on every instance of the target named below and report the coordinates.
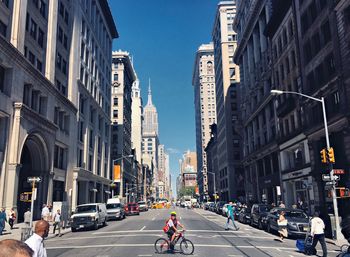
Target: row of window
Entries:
(35, 31)
(34, 100)
(41, 6)
(62, 120)
(62, 10)
(317, 41)
(310, 14)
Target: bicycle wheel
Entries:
(186, 247)
(161, 245)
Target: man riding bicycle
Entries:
(171, 229)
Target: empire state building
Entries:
(150, 140)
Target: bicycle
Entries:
(344, 251)
(162, 245)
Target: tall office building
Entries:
(203, 81)
(55, 68)
(150, 140)
(123, 77)
(228, 116)
(164, 170)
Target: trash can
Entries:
(25, 233)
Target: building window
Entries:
(115, 76)
(3, 28)
(59, 61)
(326, 32)
(31, 58)
(41, 38)
(115, 114)
(115, 101)
(42, 8)
(33, 29)
(60, 158)
(39, 65)
(2, 79)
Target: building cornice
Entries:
(109, 18)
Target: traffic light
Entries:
(323, 156)
(331, 157)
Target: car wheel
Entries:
(260, 225)
(251, 223)
(96, 225)
(73, 229)
(269, 229)
(105, 223)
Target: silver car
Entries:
(143, 206)
(115, 211)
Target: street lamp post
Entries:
(338, 234)
(214, 184)
(122, 171)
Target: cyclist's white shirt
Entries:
(171, 223)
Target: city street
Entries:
(135, 236)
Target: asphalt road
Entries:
(135, 237)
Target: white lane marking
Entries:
(151, 245)
(144, 255)
(109, 236)
(143, 228)
(154, 218)
(180, 218)
(144, 231)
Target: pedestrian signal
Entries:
(323, 155)
(331, 157)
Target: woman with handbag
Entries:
(282, 226)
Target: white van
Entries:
(89, 215)
(113, 200)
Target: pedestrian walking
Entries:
(45, 213)
(3, 220)
(36, 241)
(27, 217)
(15, 248)
(317, 233)
(282, 226)
(57, 223)
(12, 218)
(230, 216)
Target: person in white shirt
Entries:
(317, 233)
(36, 241)
(45, 213)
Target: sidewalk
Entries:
(15, 233)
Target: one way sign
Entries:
(327, 177)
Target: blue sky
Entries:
(163, 36)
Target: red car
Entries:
(132, 209)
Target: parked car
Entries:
(115, 211)
(258, 215)
(212, 207)
(143, 206)
(244, 215)
(132, 209)
(206, 205)
(218, 207)
(89, 215)
(297, 225)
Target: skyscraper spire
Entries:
(149, 93)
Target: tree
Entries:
(187, 191)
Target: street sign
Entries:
(338, 172)
(25, 197)
(327, 178)
(34, 179)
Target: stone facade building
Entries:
(55, 68)
(230, 173)
(203, 81)
(123, 77)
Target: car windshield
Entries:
(113, 205)
(264, 209)
(296, 214)
(86, 208)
